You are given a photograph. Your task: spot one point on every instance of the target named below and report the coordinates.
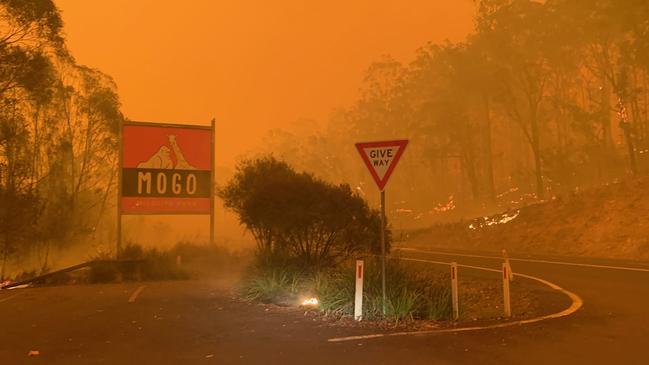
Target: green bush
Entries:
(300, 216)
(277, 286)
(272, 279)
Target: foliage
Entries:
(58, 135)
(298, 216)
(543, 98)
(411, 294)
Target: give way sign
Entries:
(381, 158)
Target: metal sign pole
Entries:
(120, 157)
(383, 247)
(212, 182)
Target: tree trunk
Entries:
(5, 254)
(491, 186)
(536, 150)
(630, 145)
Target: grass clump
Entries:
(273, 279)
(411, 293)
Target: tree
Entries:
(58, 134)
(299, 216)
(519, 36)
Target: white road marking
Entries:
(135, 294)
(9, 297)
(444, 263)
(577, 303)
(531, 260)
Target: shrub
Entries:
(272, 279)
(136, 263)
(297, 215)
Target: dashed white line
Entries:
(135, 294)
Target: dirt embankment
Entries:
(610, 221)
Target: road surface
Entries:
(199, 322)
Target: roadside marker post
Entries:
(454, 295)
(381, 159)
(506, 298)
(358, 301)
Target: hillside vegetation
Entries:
(610, 221)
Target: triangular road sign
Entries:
(381, 158)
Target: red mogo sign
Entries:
(166, 169)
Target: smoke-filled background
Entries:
(506, 102)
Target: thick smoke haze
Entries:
(253, 65)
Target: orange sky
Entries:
(253, 65)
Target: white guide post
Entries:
(358, 301)
(454, 295)
(506, 299)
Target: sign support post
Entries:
(381, 159)
(383, 249)
(212, 186)
(120, 161)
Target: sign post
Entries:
(165, 169)
(381, 159)
(120, 158)
(212, 192)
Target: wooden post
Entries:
(506, 298)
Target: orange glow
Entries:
(253, 65)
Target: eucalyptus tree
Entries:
(520, 37)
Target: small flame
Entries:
(491, 221)
(310, 301)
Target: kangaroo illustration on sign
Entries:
(162, 158)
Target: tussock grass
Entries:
(412, 293)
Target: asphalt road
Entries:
(199, 322)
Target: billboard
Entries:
(166, 169)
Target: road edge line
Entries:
(136, 293)
(535, 261)
(577, 303)
(9, 297)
